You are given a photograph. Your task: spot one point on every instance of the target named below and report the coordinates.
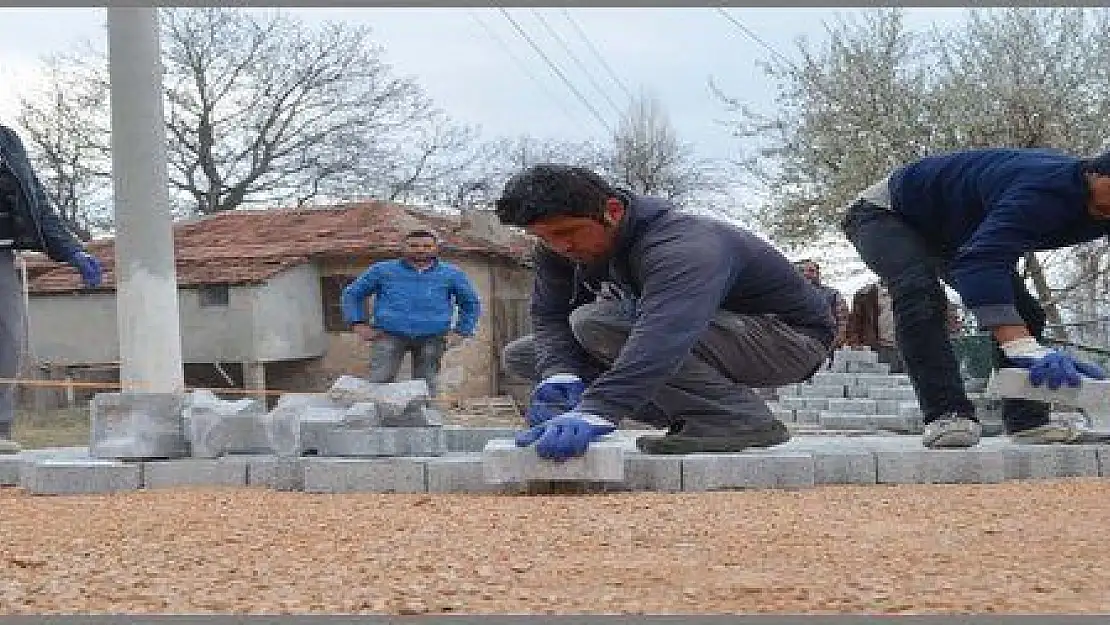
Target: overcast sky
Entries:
(670, 52)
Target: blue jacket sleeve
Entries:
(982, 267)
(470, 305)
(557, 351)
(353, 299)
(683, 288)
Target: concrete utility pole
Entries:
(146, 281)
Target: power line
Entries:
(582, 66)
(756, 38)
(554, 68)
(597, 55)
(523, 66)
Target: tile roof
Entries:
(250, 246)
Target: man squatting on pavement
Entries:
(967, 217)
(642, 312)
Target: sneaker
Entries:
(690, 437)
(951, 431)
(1058, 433)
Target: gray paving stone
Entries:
(807, 417)
(278, 473)
(854, 356)
(790, 390)
(215, 426)
(505, 463)
(901, 379)
(875, 380)
(228, 471)
(834, 379)
(74, 476)
(852, 406)
(385, 442)
(137, 426)
(887, 422)
(886, 406)
(647, 472)
(940, 466)
(459, 474)
(471, 439)
(10, 466)
(793, 403)
(364, 475)
(880, 368)
(1025, 462)
(1092, 395)
(786, 416)
(857, 392)
(902, 393)
(765, 469)
(821, 391)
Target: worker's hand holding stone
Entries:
(566, 436)
(1053, 367)
(89, 268)
(554, 396)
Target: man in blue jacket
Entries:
(28, 221)
(415, 300)
(643, 312)
(967, 217)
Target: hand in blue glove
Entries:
(554, 396)
(89, 268)
(1049, 366)
(566, 435)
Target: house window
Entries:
(214, 296)
(331, 289)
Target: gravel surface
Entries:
(1015, 547)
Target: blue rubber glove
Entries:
(1049, 366)
(553, 396)
(89, 268)
(566, 435)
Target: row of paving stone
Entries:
(483, 460)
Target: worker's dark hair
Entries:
(1098, 165)
(421, 234)
(548, 189)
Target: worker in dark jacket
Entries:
(642, 312)
(967, 217)
(28, 221)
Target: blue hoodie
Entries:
(683, 269)
(413, 303)
(982, 210)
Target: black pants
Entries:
(913, 271)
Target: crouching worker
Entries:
(642, 312)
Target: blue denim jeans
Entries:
(388, 351)
(913, 270)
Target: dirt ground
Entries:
(1015, 547)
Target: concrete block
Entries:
(890, 423)
(459, 474)
(855, 355)
(76, 476)
(766, 469)
(364, 475)
(786, 416)
(10, 467)
(278, 473)
(852, 406)
(229, 471)
(807, 417)
(505, 463)
(385, 442)
(215, 427)
(647, 472)
(901, 379)
(298, 423)
(900, 393)
(844, 467)
(869, 367)
(792, 403)
(910, 409)
(790, 390)
(1030, 462)
(887, 406)
(874, 380)
(821, 390)
(469, 439)
(857, 392)
(940, 466)
(362, 415)
(137, 426)
(833, 379)
(1091, 395)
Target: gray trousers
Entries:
(736, 354)
(388, 351)
(11, 331)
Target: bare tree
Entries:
(876, 96)
(649, 157)
(66, 131)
